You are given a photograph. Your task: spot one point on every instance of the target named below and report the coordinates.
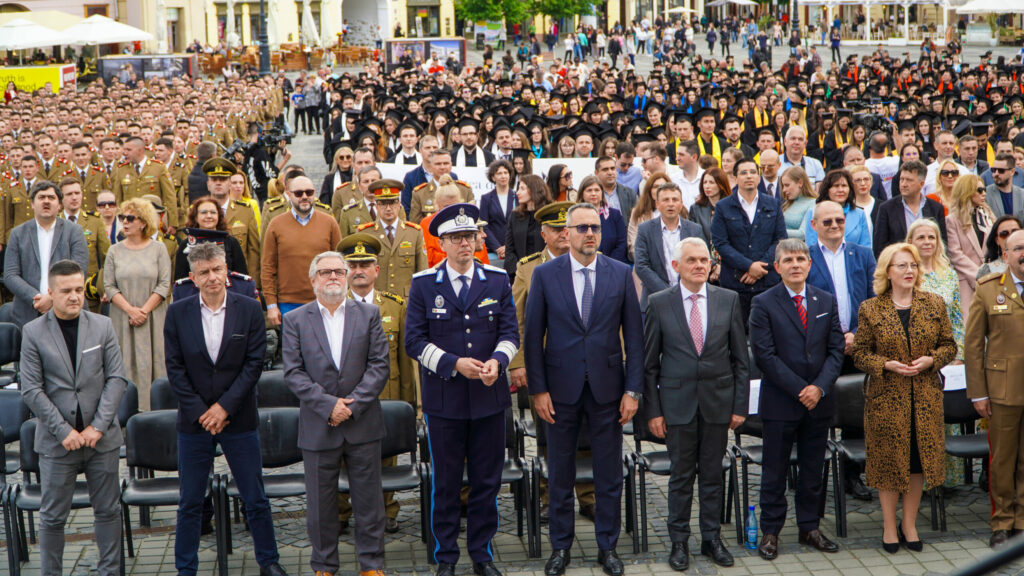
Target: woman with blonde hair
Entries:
(862, 198)
(903, 410)
(968, 226)
(239, 190)
(137, 280)
(644, 209)
(945, 178)
(798, 199)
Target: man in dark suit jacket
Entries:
(696, 369)
(892, 225)
(652, 265)
(747, 245)
(419, 174)
(336, 362)
(578, 306)
(223, 337)
(797, 343)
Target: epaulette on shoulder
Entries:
(365, 226)
(394, 297)
(494, 269)
(68, 171)
(185, 280)
(92, 213)
(343, 185)
(179, 165)
(463, 183)
(96, 168)
(170, 237)
(428, 272)
(350, 206)
(125, 163)
(412, 225)
(530, 258)
(421, 186)
(240, 276)
(274, 201)
(322, 205)
(989, 277)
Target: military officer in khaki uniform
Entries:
(365, 210)
(92, 176)
(15, 205)
(994, 355)
(177, 171)
(423, 204)
(402, 252)
(240, 219)
(96, 238)
(51, 167)
(138, 176)
(552, 221)
(360, 251)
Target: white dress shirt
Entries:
(836, 264)
(213, 326)
(453, 277)
(334, 325)
(669, 239)
(578, 282)
(44, 238)
(369, 298)
(702, 307)
(750, 209)
(690, 189)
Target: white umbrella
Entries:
(230, 36)
(310, 37)
(330, 20)
(680, 10)
(991, 7)
(97, 29)
(20, 34)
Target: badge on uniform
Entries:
(1000, 299)
(385, 319)
(405, 244)
(430, 201)
(357, 220)
(487, 302)
(1000, 308)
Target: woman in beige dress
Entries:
(137, 279)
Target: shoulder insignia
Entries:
(989, 277)
(240, 276)
(343, 185)
(125, 163)
(531, 257)
(391, 296)
(365, 226)
(183, 281)
(411, 225)
(428, 272)
(349, 207)
(274, 201)
(179, 165)
(322, 205)
(494, 269)
(68, 171)
(98, 168)
(170, 237)
(425, 184)
(463, 183)
(92, 213)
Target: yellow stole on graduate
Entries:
(716, 147)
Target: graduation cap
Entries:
(584, 129)
(980, 128)
(704, 113)
(960, 128)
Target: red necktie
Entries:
(800, 310)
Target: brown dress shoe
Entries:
(769, 548)
(999, 537)
(818, 541)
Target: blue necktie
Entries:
(588, 297)
(464, 291)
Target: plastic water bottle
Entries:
(751, 542)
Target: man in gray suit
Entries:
(1002, 196)
(336, 361)
(696, 372)
(620, 197)
(72, 380)
(34, 245)
(656, 242)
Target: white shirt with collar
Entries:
(69, 216)
(334, 325)
(690, 189)
(453, 277)
(578, 282)
(669, 239)
(141, 165)
(213, 326)
(774, 191)
(749, 208)
(369, 298)
(836, 264)
(44, 238)
(702, 306)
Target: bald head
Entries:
(770, 164)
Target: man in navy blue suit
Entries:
(461, 326)
(214, 345)
(795, 403)
(578, 306)
(746, 227)
(418, 175)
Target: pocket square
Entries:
(97, 347)
(822, 314)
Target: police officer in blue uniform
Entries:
(461, 326)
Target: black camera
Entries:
(239, 146)
(273, 137)
(874, 123)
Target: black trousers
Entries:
(810, 435)
(697, 447)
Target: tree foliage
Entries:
(565, 8)
(511, 10)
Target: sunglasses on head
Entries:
(129, 218)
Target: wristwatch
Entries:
(633, 395)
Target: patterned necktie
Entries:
(464, 290)
(696, 324)
(588, 297)
(373, 212)
(800, 310)
(391, 235)
(771, 191)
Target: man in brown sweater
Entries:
(290, 243)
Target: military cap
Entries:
(553, 214)
(386, 189)
(155, 201)
(219, 168)
(360, 247)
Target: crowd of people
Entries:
(808, 222)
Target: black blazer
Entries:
(327, 186)
(492, 212)
(232, 253)
(891, 226)
(197, 381)
(522, 238)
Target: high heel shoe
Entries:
(915, 546)
(891, 548)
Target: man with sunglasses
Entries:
(461, 327)
(1002, 195)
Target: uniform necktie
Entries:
(373, 212)
(464, 290)
(588, 297)
(83, 176)
(138, 169)
(771, 191)
(800, 310)
(696, 324)
(391, 235)
(46, 166)
(73, 218)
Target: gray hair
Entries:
(367, 169)
(791, 246)
(575, 207)
(677, 253)
(204, 252)
(321, 256)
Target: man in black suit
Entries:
(216, 390)
(468, 154)
(968, 151)
(896, 215)
(418, 175)
(696, 369)
(771, 180)
(797, 341)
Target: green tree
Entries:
(557, 9)
(477, 10)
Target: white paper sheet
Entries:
(955, 377)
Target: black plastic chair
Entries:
(10, 349)
(13, 413)
(959, 410)
(584, 474)
(659, 463)
(162, 396)
(28, 496)
(849, 391)
(272, 392)
(152, 441)
(129, 407)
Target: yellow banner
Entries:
(32, 78)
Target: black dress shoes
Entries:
(717, 551)
(856, 488)
(915, 546)
(485, 569)
(610, 562)
(557, 563)
(391, 526)
(999, 537)
(679, 559)
(815, 539)
(445, 569)
(272, 570)
(769, 548)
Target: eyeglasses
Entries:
(904, 266)
(567, 176)
(999, 170)
(1006, 233)
(948, 173)
(302, 193)
(129, 218)
(328, 272)
(460, 238)
(585, 228)
(345, 156)
(827, 222)
(106, 204)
